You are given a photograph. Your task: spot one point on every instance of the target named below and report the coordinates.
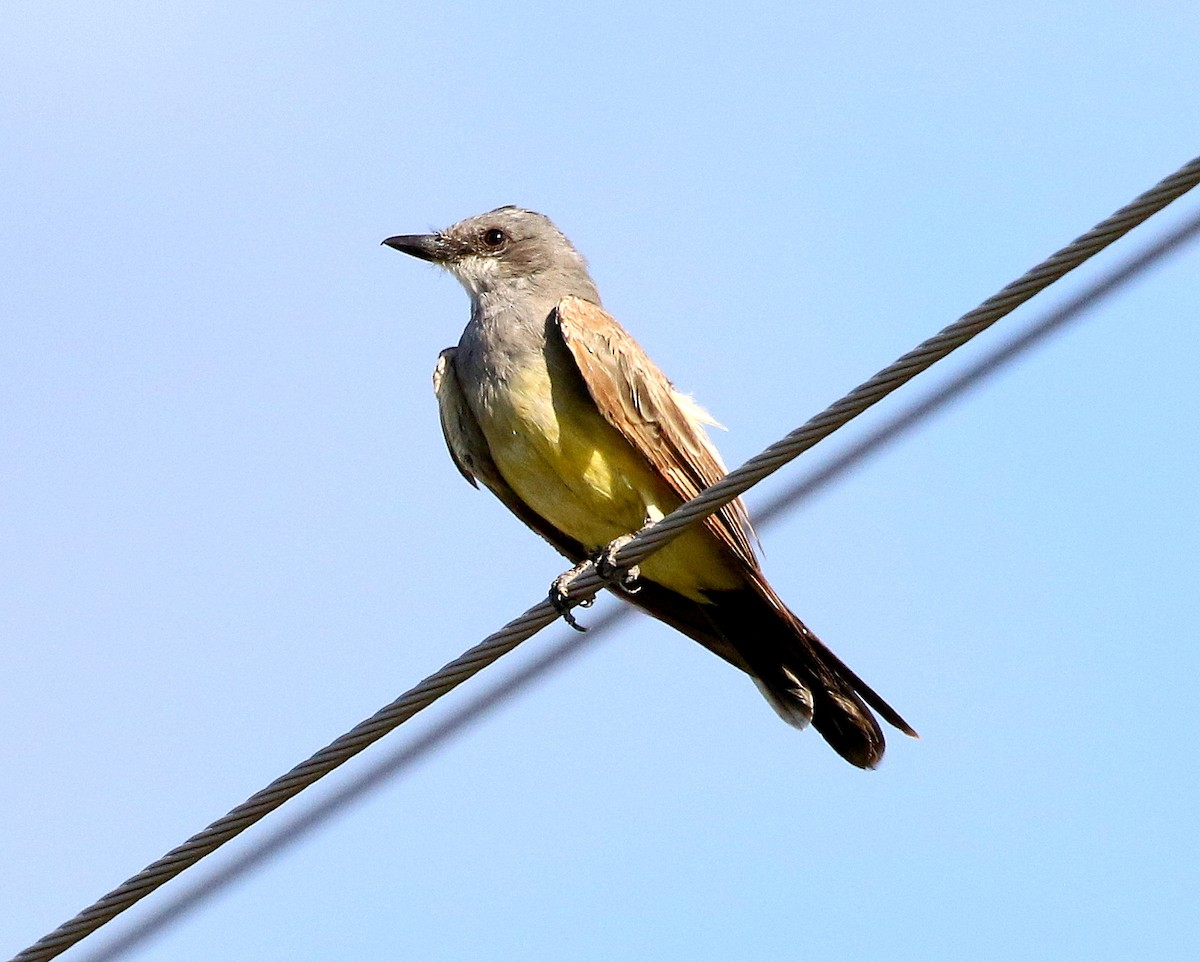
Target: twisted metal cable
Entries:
(588, 582)
(901, 371)
(572, 644)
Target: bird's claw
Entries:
(613, 574)
(560, 599)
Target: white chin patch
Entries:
(475, 273)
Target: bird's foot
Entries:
(615, 576)
(561, 601)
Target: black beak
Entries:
(428, 247)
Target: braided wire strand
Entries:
(905, 368)
(574, 644)
(588, 581)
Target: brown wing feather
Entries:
(473, 458)
(636, 398)
(639, 401)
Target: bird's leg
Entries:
(616, 577)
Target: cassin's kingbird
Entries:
(560, 413)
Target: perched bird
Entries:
(560, 413)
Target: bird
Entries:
(551, 405)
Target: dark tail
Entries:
(801, 678)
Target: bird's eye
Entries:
(494, 237)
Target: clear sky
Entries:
(229, 529)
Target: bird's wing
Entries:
(665, 426)
(473, 458)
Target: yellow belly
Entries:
(572, 467)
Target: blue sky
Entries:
(229, 529)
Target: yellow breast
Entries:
(571, 466)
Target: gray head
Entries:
(509, 252)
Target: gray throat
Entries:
(507, 331)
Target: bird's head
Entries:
(510, 251)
